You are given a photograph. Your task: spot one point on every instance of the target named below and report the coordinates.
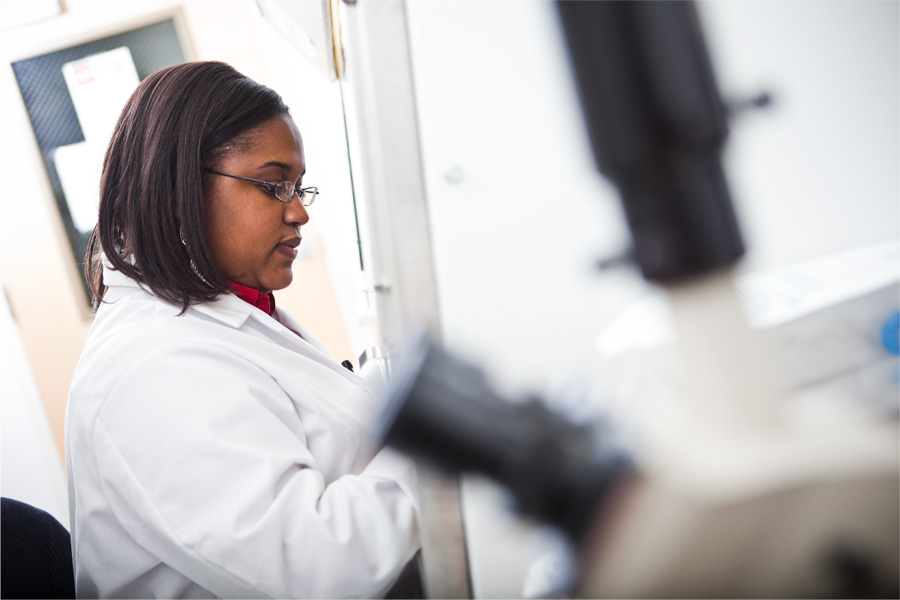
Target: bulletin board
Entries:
(59, 128)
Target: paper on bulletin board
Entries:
(79, 166)
(100, 85)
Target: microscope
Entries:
(731, 498)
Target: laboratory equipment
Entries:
(731, 495)
(443, 409)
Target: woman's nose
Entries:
(295, 213)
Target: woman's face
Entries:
(254, 236)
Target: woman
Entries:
(214, 449)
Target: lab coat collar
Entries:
(227, 309)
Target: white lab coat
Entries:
(218, 453)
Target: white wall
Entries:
(818, 172)
(516, 234)
(32, 471)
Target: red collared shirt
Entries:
(264, 302)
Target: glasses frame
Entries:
(272, 187)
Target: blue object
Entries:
(890, 333)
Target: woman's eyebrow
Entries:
(283, 166)
(275, 163)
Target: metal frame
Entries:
(399, 246)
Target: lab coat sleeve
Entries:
(210, 472)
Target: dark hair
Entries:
(179, 121)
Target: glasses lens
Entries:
(284, 190)
(308, 196)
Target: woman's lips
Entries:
(289, 247)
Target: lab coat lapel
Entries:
(306, 341)
(288, 321)
(284, 330)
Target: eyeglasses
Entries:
(283, 190)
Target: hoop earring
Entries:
(193, 264)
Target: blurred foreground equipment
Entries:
(443, 409)
(657, 126)
(716, 511)
(731, 496)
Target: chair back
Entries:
(35, 553)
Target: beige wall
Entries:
(39, 272)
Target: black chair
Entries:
(35, 553)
